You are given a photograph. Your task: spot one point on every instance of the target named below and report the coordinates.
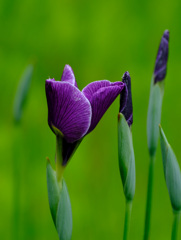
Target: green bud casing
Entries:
(126, 157)
(154, 115)
(22, 92)
(60, 206)
(171, 172)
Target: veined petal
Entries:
(68, 75)
(68, 110)
(101, 95)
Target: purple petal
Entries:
(162, 57)
(68, 110)
(101, 95)
(127, 110)
(68, 75)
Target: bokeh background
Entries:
(100, 40)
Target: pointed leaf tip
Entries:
(119, 116)
(48, 161)
(163, 137)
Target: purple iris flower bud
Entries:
(126, 107)
(73, 113)
(162, 57)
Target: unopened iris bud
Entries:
(156, 95)
(125, 144)
(171, 172)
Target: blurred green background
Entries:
(100, 40)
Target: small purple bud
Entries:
(126, 107)
(161, 60)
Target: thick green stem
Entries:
(59, 158)
(149, 198)
(127, 219)
(175, 225)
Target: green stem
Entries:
(127, 219)
(149, 198)
(59, 158)
(16, 183)
(175, 225)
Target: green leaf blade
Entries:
(64, 215)
(54, 191)
(171, 172)
(60, 205)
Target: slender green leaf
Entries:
(64, 215)
(54, 191)
(171, 171)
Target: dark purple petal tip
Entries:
(126, 107)
(166, 34)
(162, 57)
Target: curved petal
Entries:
(68, 110)
(101, 95)
(68, 75)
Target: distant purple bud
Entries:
(126, 107)
(162, 57)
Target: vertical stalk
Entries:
(127, 219)
(16, 158)
(175, 225)
(149, 198)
